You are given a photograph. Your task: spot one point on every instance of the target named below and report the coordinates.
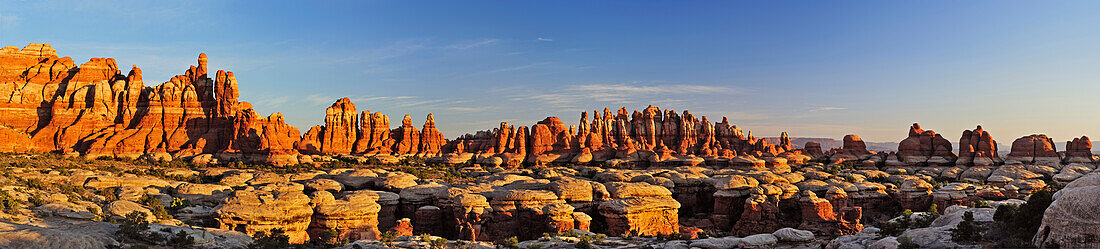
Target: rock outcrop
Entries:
(1071, 221)
(95, 110)
(925, 148)
(1038, 149)
(977, 148)
(252, 211)
(1079, 150)
(648, 137)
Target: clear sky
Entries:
(812, 68)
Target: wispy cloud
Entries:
(273, 102)
(467, 109)
(545, 39)
(472, 44)
(618, 93)
(828, 108)
(9, 20)
(507, 69)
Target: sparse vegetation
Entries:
(967, 230)
(509, 243)
(1021, 221)
(155, 206)
(275, 239)
(8, 203)
(906, 243)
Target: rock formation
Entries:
(977, 148)
(925, 148)
(1079, 150)
(1036, 148)
(651, 136)
(95, 110)
(1071, 221)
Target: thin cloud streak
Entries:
(830, 108)
(469, 45)
(620, 93)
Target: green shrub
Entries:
(906, 243)
(439, 243)
(583, 244)
(36, 183)
(155, 206)
(135, 229)
(509, 243)
(388, 237)
(37, 200)
(1023, 221)
(276, 239)
(9, 204)
(181, 241)
(967, 230)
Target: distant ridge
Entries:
(829, 143)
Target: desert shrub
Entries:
(583, 244)
(180, 240)
(906, 243)
(388, 237)
(967, 230)
(1023, 221)
(439, 243)
(179, 203)
(36, 183)
(329, 238)
(155, 206)
(895, 228)
(135, 229)
(8, 203)
(37, 200)
(275, 239)
(981, 204)
(509, 243)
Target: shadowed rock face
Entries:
(1071, 220)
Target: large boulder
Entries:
(252, 211)
(1072, 220)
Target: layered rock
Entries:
(651, 136)
(95, 110)
(640, 208)
(1071, 221)
(853, 148)
(924, 148)
(339, 133)
(818, 217)
(353, 220)
(1079, 150)
(1036, 148)
(252, 211)
(977, 148)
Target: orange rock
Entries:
(406, 137)
(1079, 150)
(977, 148)
(340, 131)
(431, 140)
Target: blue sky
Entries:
(812, 68)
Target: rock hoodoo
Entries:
(977, 148)
(925, 147)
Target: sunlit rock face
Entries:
(52, 104)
